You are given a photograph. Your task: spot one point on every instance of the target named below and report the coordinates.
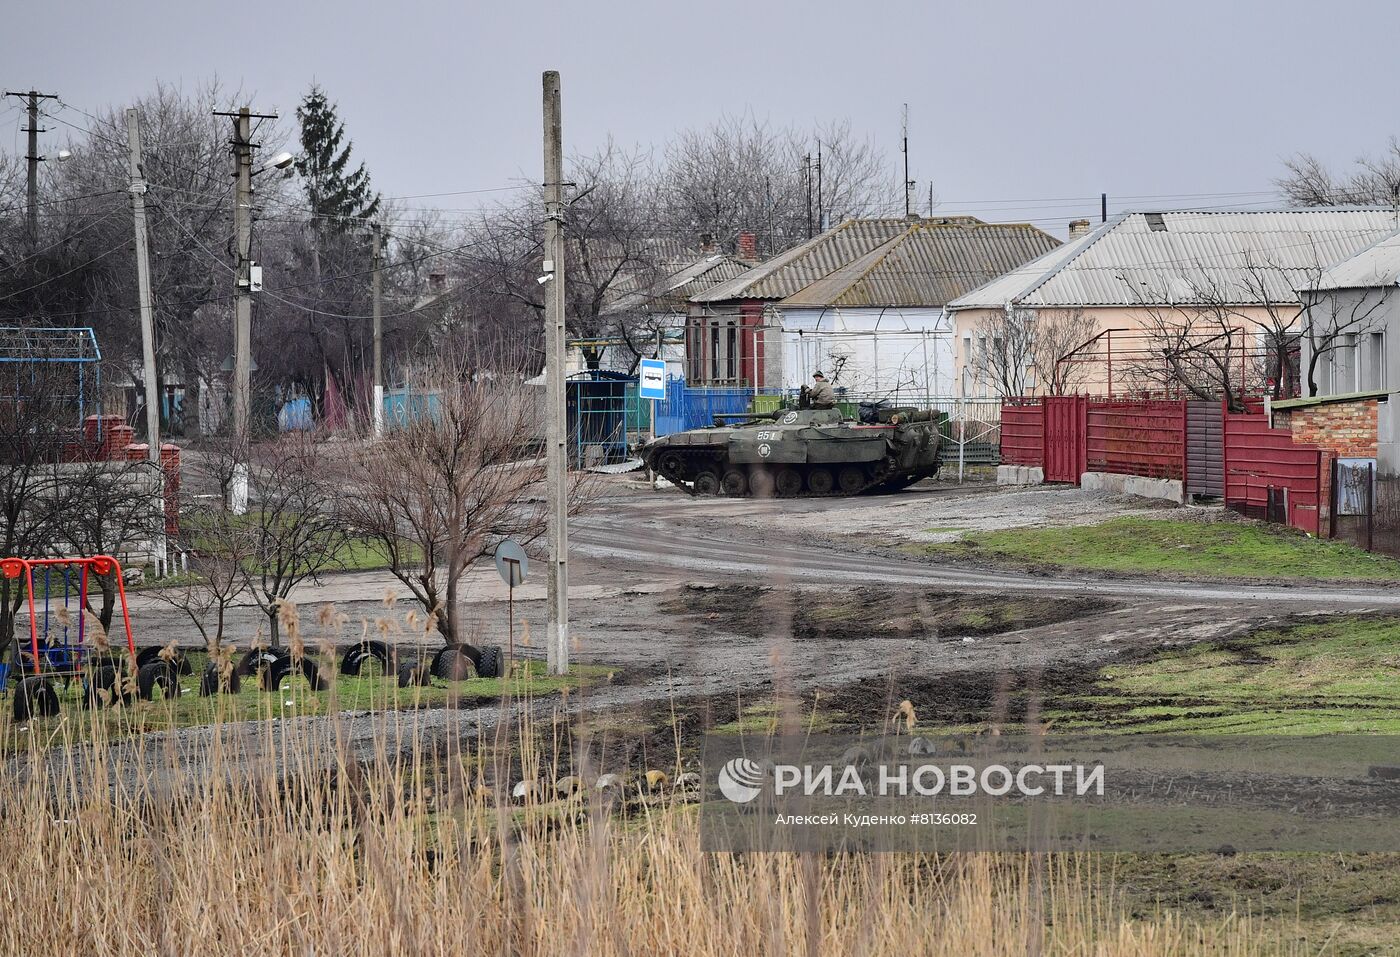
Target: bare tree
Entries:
(1330, 320)
(1058, 334)
(1016, 342)
(1374, 181)
(107, 508)
(440, 491)
(1004, 352)
(219, 550)
(741, 174)
(294, 530)
(31, 495)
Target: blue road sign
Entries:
(653, 382)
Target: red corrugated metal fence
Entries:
(1264, 468)
(1022, 432)
(1129, 437)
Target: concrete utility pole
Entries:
(242, 309)
(377, 414)
(148, 332)
(32, 160)
(243, 299)
(556, 461)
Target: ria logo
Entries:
(740, 780)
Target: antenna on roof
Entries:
(908, 183)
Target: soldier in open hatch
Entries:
(821, 395)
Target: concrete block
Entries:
(1020, 475)
(1170, 490)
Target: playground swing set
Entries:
(63, 645)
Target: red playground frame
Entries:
(100, 564)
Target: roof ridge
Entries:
(1089, 240)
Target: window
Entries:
(1373, 362)
(1343, 366)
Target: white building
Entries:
(863, 302)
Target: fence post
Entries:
(1370, 502)
(1331, 497)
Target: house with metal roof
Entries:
(1351, 339)
(862, 302)
(647, 306)
(1140, 272)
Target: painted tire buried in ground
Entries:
(357, 655)
(210, 682)
(181, 661)
(157, 674)
(456, 663)
(284, 667)
(412, 672)
(492, 663)
(102, 676)
(35, 697)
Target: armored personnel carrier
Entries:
(801, 452)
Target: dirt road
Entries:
(638, 555)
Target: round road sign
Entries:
(512, 562)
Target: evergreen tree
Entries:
(336, 197)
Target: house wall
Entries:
(1343, 430)
(1370, 362)
(1126, 348)
(899, 352)
(731, 344)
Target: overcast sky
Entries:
(1018, 111)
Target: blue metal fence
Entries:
(692, 407)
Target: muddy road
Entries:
(698, 600)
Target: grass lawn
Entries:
(1159, 546)
(366, 692)
(1335, 677)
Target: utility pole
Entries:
(556, 461)
(148, 331)
(378, 413)
(32, 159)
(242, 302)
(821, 209)
(1103, 207)
(242, 309)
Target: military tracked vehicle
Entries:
(801, 452)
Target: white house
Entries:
(863, 302)
(1351, 337)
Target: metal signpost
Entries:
(652, 385)
(513, 565)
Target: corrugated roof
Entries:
(928, 264)
(799, 267)
(1375, 266)
(1238, 257)
(678, 280)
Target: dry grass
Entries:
(298, 850)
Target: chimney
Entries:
(707, 244)
(748, 247)
(1079, 227)
(437, 281)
